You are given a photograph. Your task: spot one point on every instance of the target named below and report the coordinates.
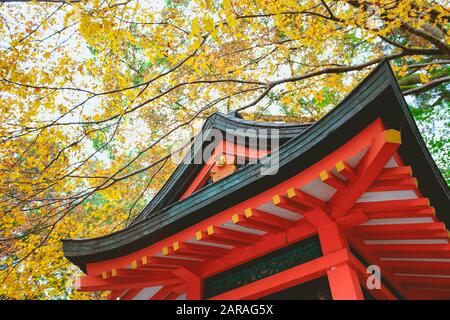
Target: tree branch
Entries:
(427, 86)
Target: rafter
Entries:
(267, 218)
(305, 199)
(387, 174)
(345, 170)
(394, 205)
(94, 283)
(335, 182)
(242, 220)
(380, 151)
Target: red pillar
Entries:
(194, 288)
(343, 280)
(193, 282)
(344, 283)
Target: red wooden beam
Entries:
(226, 236)
(225, 233)
(381, 150)
(199, 181)
(227, 148)
(408, 236)
(137, 273)
(267, 218)
(318, 218)
(389, 174)
(393, 185)
(392, 205)
(374, 259)
(168, 263)
(290, 205)
(423, 293)
(344, 282)
(130, 294)
(174, 251)
(353, 219)
(411, 250)
(204, 236)
(267, 244)
(433, 281)
(285, 279)
(242, 220)
(427, 267)
(430, 230)
(344, 169)
(425, 212)
(193, 248)
(306, 199)
(93, 283)
(328, 178)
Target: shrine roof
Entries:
(301, 145)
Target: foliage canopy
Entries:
(95, 95)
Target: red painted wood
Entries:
(353, 219)
(372, 259)
(347, 171)
(408, 236)
(306, 199)
(418, 267)
(335, 182)
(418, 213)
(285, 279)
(401, 172)
(185, 247)
(199, 180)
(392, 185)
(228, 148)
(267, 244)
(412, 250)
(422, 281)
(223, 240)
(193, 283)
(428, 293)
(139, 273)
(267, 218)
(344, 283)
(130, 294)
(233, 235)
(243, 221)
(380, 294)
(380, 151)
(391, 205)
(430, 230)
(318, 218)
(93, 283)
(194, 289)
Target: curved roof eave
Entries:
(183, 175)
(378, 95)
